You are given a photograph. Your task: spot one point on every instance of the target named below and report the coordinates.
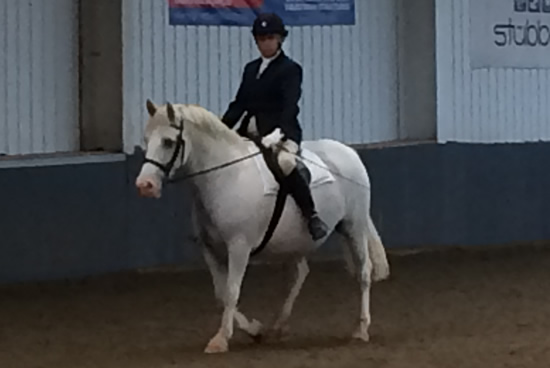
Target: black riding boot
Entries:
(301, 193)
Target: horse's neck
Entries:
(208, 153)
(217, 191)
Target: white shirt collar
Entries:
(270, 59)
(265, 63)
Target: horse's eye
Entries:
(167, 143)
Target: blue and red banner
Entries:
(243, 12)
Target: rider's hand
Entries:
(273, 139)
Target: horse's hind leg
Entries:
(356, 239)
(297, 273)
(219, 278)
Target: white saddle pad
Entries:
(317, 168)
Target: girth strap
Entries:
(271, 161)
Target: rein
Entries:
(179, 151)
(206, 171)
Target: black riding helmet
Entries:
(268, 23)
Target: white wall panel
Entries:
(484, 105)
(38, 76)
(350, 73)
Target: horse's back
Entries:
(340, 158)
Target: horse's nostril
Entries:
(145, 185)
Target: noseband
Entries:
(178, 151)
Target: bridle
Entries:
(178, 151)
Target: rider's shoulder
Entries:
(291, 64)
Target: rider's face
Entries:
(268, 44)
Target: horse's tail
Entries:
(377, 253)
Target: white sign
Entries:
(510, 34)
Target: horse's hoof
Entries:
(255, 330)
(279, 333)
(217, 345)
(361, 335)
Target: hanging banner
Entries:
(243, 12)
(510, 33)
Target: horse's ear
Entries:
(171, 112)
(151, 107)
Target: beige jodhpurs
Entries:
(287, 156)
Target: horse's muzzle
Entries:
(148, 188)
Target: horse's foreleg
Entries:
(219, 278)
(297, 276)
(238, 255)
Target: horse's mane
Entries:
(195, 118)
(206, 122)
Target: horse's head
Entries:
(166, 148)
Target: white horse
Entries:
(232, 206)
